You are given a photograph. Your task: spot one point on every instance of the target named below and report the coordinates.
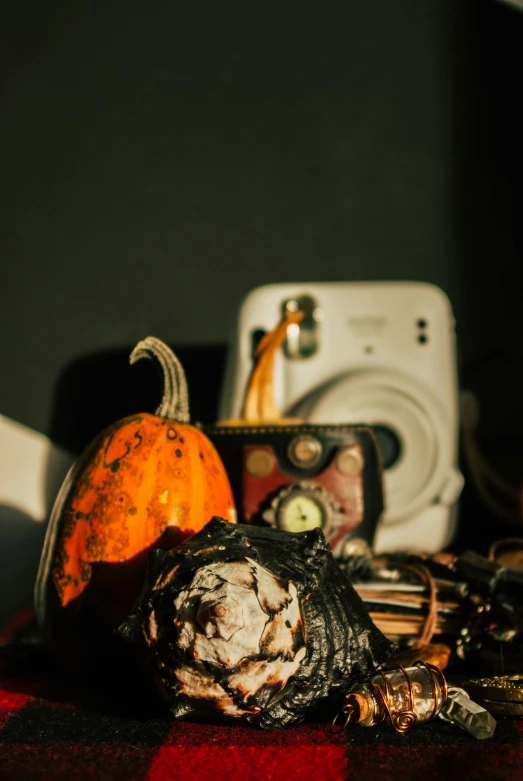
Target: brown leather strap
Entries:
(425, 576)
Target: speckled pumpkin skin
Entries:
(144, 475)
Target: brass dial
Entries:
(304, 506)
(301, 513)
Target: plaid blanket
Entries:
(52, 727)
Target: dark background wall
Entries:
(160, 159)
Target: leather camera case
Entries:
(338, 467)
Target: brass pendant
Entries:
(505, 688)
(502, 695)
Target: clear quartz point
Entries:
(467, 714)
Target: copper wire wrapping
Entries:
(346, 712)
(385, 696)
(403, 720)
(425, 576)
(400, 720)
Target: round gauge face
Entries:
(301, 513)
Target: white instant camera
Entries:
(381, 353)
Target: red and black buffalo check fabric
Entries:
(55, 728)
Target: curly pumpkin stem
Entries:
(175, 400)
(259, 405)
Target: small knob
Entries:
(304, 451)
(259, 463)
(349, 461)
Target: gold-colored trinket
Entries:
(499, 688)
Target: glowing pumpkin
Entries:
(146, 481)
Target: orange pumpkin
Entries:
(146, 481)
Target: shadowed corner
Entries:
(100, 388)
(82, 662)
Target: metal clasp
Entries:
(346, 713)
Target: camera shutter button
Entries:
(349, 461)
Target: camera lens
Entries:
(389, 444)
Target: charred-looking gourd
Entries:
(146, 480)
(252, 622)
